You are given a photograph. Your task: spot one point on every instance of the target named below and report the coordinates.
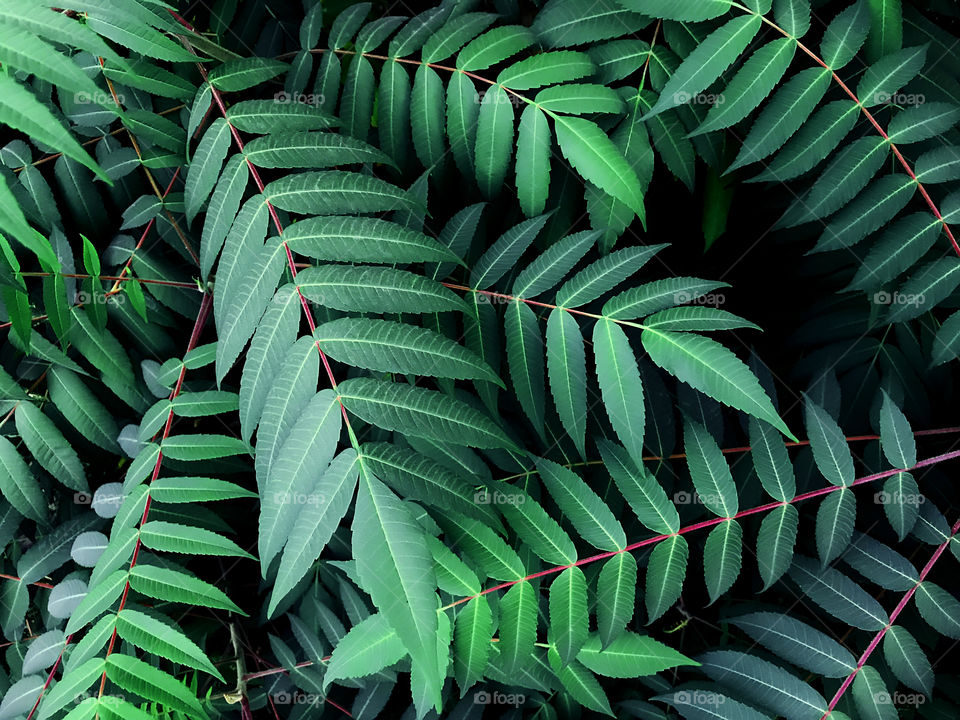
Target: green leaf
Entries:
(489, 551)
(268, 116)
(585, 510)
(580, 99)
(138, 677)
(310, 444)
(518, 627)
(845, 35)
(798, 643)
(163, 639)
(620, 385)
(886, 27)
(494, 142)
(666, 570)
(592, 154)
(363, 240)
(830, 450)
(454, 34)
(176, 538)
(835, 520)
(311, 150)
(463, 109)
(707, 62)
(326, 504)
(772, 461)
(793, 16)
(631, 655)
(896, 437)
(526, 361)
(393, 112)
(503, 254)
(901, 499)
(907, 660)
(494, 46)
(49, 447)
(642, 491)
(838, 595)
(19, 486)
(245, 73)
(568, 613)
(223, 207)
(604, 275)
(371, 645)
(552, 265)
(871, 696)
(886, 76)
(195, 489)
(536, 528)
(775, 543)
(939, 608)
(176, 586)
(375, 289)
(722, 557)
(533, 161)
(616, 590)
(395, 567)
(765, 683)
(930, 285)
(205, 167)
(566, 366)
(426, 116)
(420, 412)
(684, 10)
(900, 246)
(546, 68)
(709, 471)
(203, 447)
(880, 564)
(471, 642)
(334, 192)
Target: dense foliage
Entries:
(359, 363)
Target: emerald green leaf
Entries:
(871, 210)
(46, 443)
(311, 150)
(394, 347)
(245, 73)
(518, 627)
(580, 99)
(765, 683)
(471, 642)
(835, 520)
(838, 595)
(899, 247)
(73, 683)
(176, 586)
(880, 564)
(371, 645)
(604, 275)
(393, 112)
(907, 660)
(798, 643)
(203, 447)
(930, 285)
(426, 116)
(631, 655)
(268, 116)
(334, 192)
(616, 590)
(363, 240)
(707, 62)
(176, 538)
(886, 76)
(683, 10)
(223, 207)
(592, 154)
(620, 385)
(546, 68)
(493, 47)
(420, 412)
(698, 706)
(205, 167)
(722, 557)
(566, 366)
(585, 510)
(463, 109)
(793, 16)
(568, 613)
(666, 570)
(19, 486)
(772, 461)
(494, 142)
(537, 529)
(489, 551)
(845, 35)
(922, 122)
(195, 489)
(325, 505)
(454, 34)
(553, 264)
(871, 696)
(98, 600)
(453, 574)
(650, 297)
(642, 491)
(395, 567)
(525, 360)
(886, 27)
(775, 543)
(896, 437)
(901, 499)
(138, 677)
(164, 639)
(939, 608)
(310, 443)
(375, 289)
(533, 161)
(829, 445)
(503, 254)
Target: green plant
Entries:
(448, 347)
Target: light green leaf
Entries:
(568, 613)
(621, 388)
(666, 570)
(722, 557)
(566, 366)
